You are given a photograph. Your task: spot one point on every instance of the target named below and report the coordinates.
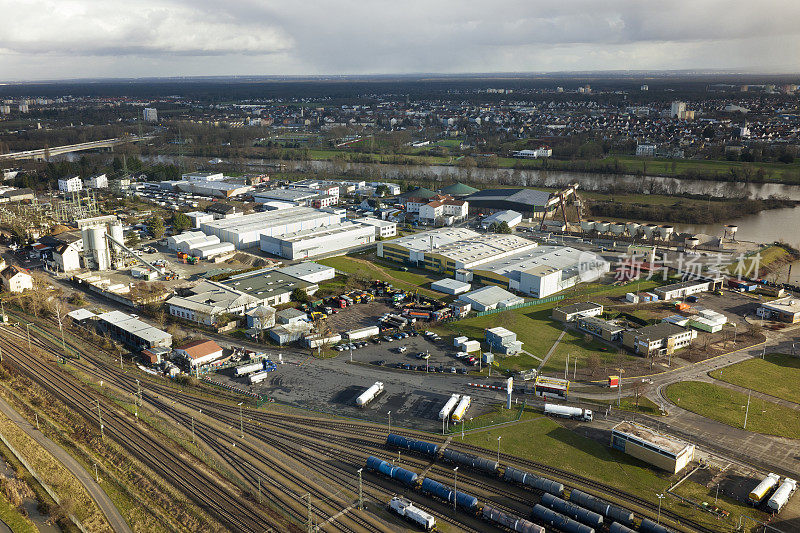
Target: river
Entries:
(767, 226)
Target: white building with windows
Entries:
(383, 228)
(150, 114)
(98, 181)
(15, 279)
(73, 184)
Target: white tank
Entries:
(461, 409)
(368, 395)
(602, 227)
(100, 248)
(692, 242)
(449, 406)
(632, 228)
(116, 234)
(782, 495)
(648, 230)
(730, 231)
(587, 225)
(617, 228)
(666, 231)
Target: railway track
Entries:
(328, 429)
(228, 508)
(212, 438)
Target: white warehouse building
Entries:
(246, 231)
(318, 241)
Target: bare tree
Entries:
(59, 310)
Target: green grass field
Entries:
(776, 374)
(543, 440)
(728, 406)
(373, 270)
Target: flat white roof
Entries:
(375, 222)
(789, 305)
(421, 242)
(483, 247)
(449, 283)
(652, 437)
(325, 231)
(304, 269)
(541, 259)
(491, 294)
(267, 219)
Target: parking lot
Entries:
(358, 316)
(413, 397)
(418, 353)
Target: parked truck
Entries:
(565, 411)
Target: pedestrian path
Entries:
(552, 349)
(95, 491)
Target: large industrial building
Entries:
(507, 261)
(246, 231)
(650, 446)
(452, 249)
(318, 241)
(540, 271)
(529, 202)
(208, 300)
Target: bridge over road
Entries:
(39, 154)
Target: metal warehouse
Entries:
(529, 202)
(246, 231)
(272, 287)
(542, 271)
(650, 446)
(490, 297)
(450, 286)
(132, 331)
(318, 241)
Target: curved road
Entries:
(113, 515)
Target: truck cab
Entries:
(587, 415)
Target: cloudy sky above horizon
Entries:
(51, 39)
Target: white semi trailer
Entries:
(575, 413)
(368, 395)
(782, 495)
(449, 406)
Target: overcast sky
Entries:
(49, 39)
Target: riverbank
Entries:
(691, 169)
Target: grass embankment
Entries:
(765, 261)
(728, 406)
(777, 375)
(543, 440)
(74, 497)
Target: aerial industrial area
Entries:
(546, 304)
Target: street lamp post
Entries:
(390, 421)
(498, 447)
(660, 497)
(747, 410)
(455, 490)
(241, 418)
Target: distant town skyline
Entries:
(49, 39)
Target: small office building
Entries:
(450, 286)
(646, 444)
(682, 289)
(658, 339)
(781, 310)
(490, 297)
(608, 331)
(570, 313)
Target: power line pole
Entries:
(309, 527)
(747, 410)
(100, 418)
(360, 493)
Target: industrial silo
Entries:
(666, 231)
(587, 226)
(617, 228)
(602, 227)
(632, 228)
(649, 230)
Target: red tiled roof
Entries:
(200, 348)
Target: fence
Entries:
(532, 303)
(44, 485)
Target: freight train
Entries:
(439, 491)
(572, 511)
